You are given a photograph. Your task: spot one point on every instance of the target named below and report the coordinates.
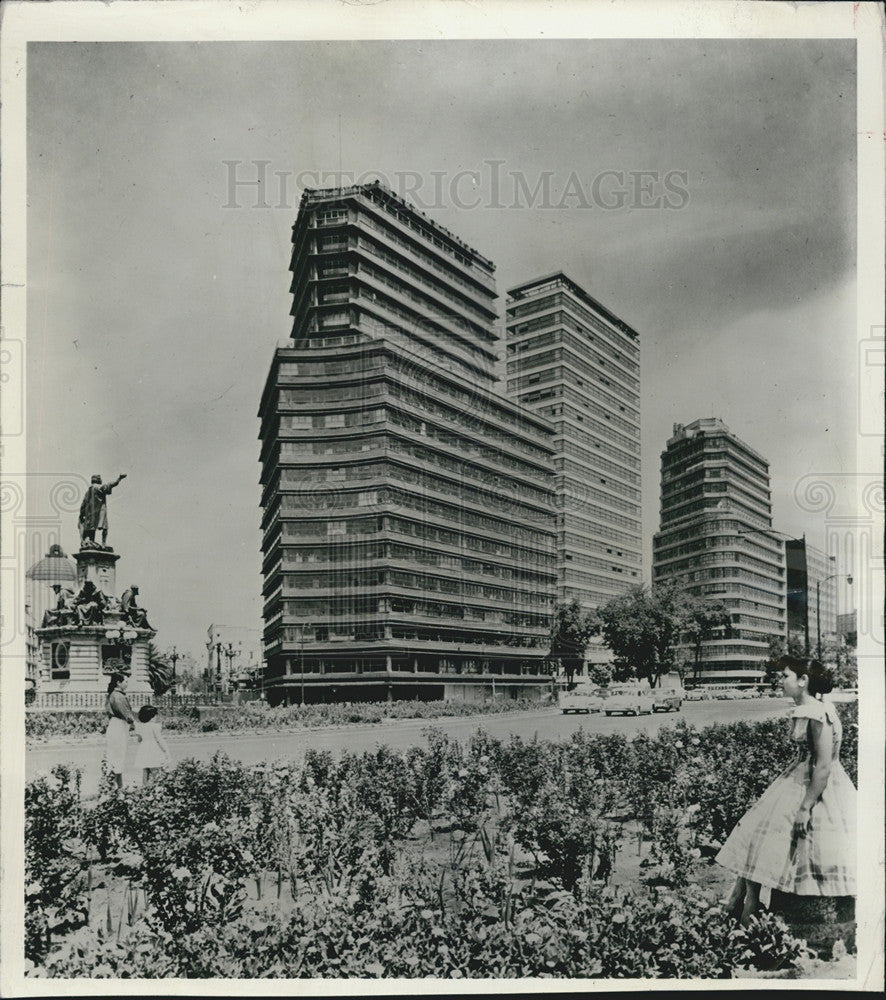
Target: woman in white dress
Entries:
(799, 837)
(120, 723)
(152, 752)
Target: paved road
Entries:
(251, 748)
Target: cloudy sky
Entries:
(155, 304)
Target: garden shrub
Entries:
(398, 929)
(259, 715)
(566, 838)
(56, 869)
(364, 906)
(426, 776)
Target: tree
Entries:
(159, 671)
(842, 662)
(706, 617)
(570, 631)
(601, 674)
(642, 628)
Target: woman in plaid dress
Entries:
(799, 837)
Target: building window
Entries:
(334, 319)
(335, 269)
(335, 217)
(328, 244)
(335, 293)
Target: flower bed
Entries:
(258, 715)
(496, 859)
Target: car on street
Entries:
(629, 700)
(582, 698)
(668, 695)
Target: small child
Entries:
(152, 753)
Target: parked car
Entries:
(582, 698)
(844, 695)
(696, 694)
(629, 701)
(668, 696)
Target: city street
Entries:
(253, 747)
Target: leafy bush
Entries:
(259, 715)
(397, 927)
(363, 905)
(56, 869)
(568, 839)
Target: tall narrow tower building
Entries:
(574, 362)
(716, 541)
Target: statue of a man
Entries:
(90, 604)
(136, 616)
(94, 510)
(63, 613)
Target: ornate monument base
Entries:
(80, 659)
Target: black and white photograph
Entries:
(442, 497)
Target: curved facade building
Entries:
(409, 528)
(716, 542)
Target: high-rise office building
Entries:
(572, 361)
(716, 541)
(847, 629)
(409, 527)
(811, 594)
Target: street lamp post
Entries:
(818, 584)
(218, 670)
(173, 656)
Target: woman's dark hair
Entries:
(146, 713)
(114, 681)
(820, 680)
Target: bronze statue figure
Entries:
(136, 616)
(94, 512)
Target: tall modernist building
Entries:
(572, 361)
(716, 541)
(409, 527)
(811, 594)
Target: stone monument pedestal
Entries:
(80, 659)
(99, 566)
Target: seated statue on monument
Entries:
(63, 613)
(94, 513)
(136, 616)
(90, 605)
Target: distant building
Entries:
(847, 628)
(409, 530)
(54, 567)
(811, 585)
(577, 364)
(233, 657)
(716, 541)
